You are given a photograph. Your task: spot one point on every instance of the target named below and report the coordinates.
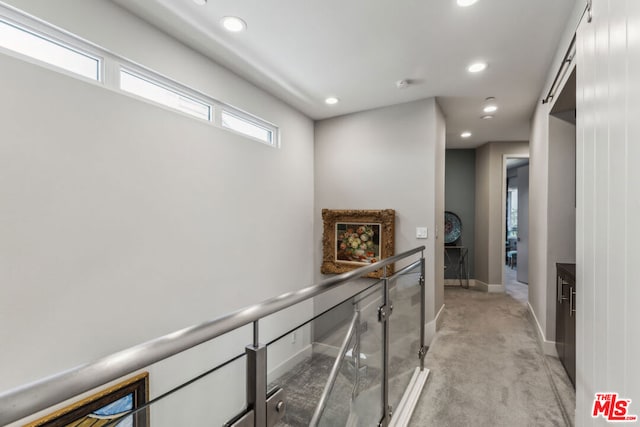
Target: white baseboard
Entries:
(479, 284)
(433, 326)
(289, 363)
(402, 414)
(548, 347)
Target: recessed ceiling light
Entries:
(200, 2)
(487, 117)
(466, 134)
(465, 3)
(233, 24)
(476, 67)
(490, 108)
(331, 100)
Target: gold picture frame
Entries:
(134, 393)
(354, 238)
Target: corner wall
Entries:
(541, 292)
(489, 237)
(390, 157)
(552, 214)
(561, 209)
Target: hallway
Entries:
(488, 370)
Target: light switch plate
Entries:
(422, 233)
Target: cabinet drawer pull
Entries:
(572, 294)
(561, 286)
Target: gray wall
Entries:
(460, 195)
(387, 158)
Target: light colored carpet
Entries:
(517, 290)
(487, 368)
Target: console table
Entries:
(459, 265)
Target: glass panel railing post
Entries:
(333, 375)
(257, 379)
(384, 313)
(355, 353)
(423, 316)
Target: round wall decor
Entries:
(452, 227)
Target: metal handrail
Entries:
(30, 398)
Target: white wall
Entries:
(538, 224)
(393, 158)
(522, 263)
(489, 232)
(122, 221)
(608, 232)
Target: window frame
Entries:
(248, 118)
(108, 69)
(167, 85)
(53, 35)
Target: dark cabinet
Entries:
(566, 317)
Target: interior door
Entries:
(523, 225)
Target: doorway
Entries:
(516, 227)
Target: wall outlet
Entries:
(293, 337)
(422, 233)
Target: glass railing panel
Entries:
(301, 362)
(217, 395)
(212, 398)
(404, 333)
(204, 385)
(180, 368)
(362, 368)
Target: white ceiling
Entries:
(304, 50)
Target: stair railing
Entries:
(262, 409)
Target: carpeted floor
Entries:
(487, 368)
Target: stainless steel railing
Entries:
(36, 396)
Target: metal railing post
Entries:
(356, 355)
(385, 312)
(423, 314)
(257, 379)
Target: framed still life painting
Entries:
(354, 238)
(109, 407)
